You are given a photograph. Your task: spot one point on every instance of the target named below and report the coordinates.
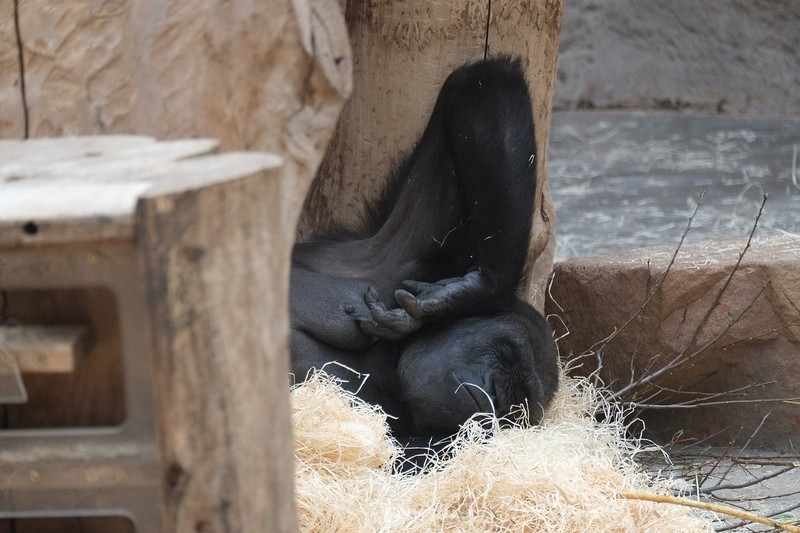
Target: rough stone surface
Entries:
(745, 338)
(739, 56)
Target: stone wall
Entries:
(729, 56)
(706, 349)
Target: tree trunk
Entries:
(402, 52)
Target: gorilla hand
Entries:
(386, 324)
(463, 296)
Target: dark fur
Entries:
(426, 303)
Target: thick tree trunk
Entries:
(402, 52)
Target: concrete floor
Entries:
(761, 483)
(624, 180)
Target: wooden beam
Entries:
(217, 263)
(44, 349)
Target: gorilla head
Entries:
(489, 364)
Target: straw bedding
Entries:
(562, 476)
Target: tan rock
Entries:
(737, 333)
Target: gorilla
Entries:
(425, 302)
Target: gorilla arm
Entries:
(488, 129)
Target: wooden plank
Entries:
(92, 158)
(87, 191)
(217, 262)
(19, 155)
(44, 349)
(204, 171)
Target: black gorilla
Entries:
(426, 303)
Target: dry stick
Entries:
(704, 399)
(725, 285)
(732, 322)
(700, 353)
(699, 396)
(743, 485)
(718, 462)
(721, 509)
(751, 499)
(765, 462)
(687, 405)
(681, 357)
(747, 443)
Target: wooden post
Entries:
(402, 52)
(269, 76)
(217, 271)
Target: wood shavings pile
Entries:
(562, 476)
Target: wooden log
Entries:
(402, 52)
(217, 269)
(175, 69)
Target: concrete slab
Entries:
(624, 180)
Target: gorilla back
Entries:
(445, 255)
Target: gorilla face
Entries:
(477, 365)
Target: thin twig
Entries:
(731, 323)
(700, 398)
(729, 278)
(687, 405)
(658, 285)
(681, 356)
(731, 486)
(773, 515)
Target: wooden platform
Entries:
(153, 383)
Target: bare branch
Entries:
(720, 509)
(681, 356)
(688, 405)
(655, 290)
(756, 481)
